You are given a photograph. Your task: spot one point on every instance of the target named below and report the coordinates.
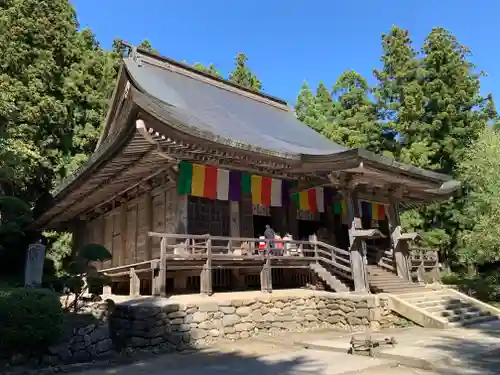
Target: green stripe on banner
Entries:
(246, 182)
(337, 208)
(185, 178)
(295, 198)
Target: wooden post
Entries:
(206, 273)
(358, 266)
(315, 247)
(106, 290)
(160, 271)
(135, 283)
(234, 230)
(399, 248)
(149, 224)
(266, 283)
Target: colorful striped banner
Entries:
(339, 207)
(266, 191)
(373, 211)
(310, 200)
(204, 181)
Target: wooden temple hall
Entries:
(190, 169)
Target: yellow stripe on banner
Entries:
(344, 208)
(198, 182)
(256, 189)
(304, 201)
(374, 211)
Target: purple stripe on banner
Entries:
(285, 193)
(328, 192)
(235, 186)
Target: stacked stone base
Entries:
(160, 325)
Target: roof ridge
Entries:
(222, 83)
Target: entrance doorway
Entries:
(259, 224)
(307, 228)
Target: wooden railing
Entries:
(203, 250)
(381, 257)
(424, 265)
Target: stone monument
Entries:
(34, 264)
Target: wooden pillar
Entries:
(246, 215)
(358, 267)
(123, 234)
(135, 283)
(266, 281)
(182, 215)
(149, 224)
(206, 273)
(160, 271)
(399, 248)
(234, 213)
(106, 290)
(292, 223)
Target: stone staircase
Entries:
(451, 307)
(332, 281)
(383, 281)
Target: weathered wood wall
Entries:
(124, 230)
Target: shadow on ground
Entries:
(475, 351)
(216, 362)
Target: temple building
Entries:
(189, 171)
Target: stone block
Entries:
(243, 311)
(209, 307)
(227, 309)
(199, 316)
(230, 320)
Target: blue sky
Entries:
(291, 41)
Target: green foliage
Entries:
(480, 170)
(146, 45)
(485, 287)
(243, 76)
(354, 117)
(81, 267)
(210, 70)
(30, 320)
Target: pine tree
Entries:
(308, 110)
(354, 117)
(324, 102)
(400, 100)
(455, 111)
(211, 69)
(243, 76)
(146, 45)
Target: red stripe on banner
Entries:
(210, 187)
(381, 212)
(265, 194)
(311, 198)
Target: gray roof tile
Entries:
(228, 114)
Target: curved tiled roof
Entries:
(228, 113)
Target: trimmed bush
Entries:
(31, 319)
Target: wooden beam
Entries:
(206, 273)
(399, 248)
(160, 271)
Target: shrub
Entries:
(30, 320)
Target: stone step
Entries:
(447, 307)
(474, 320)
(457, 312)
(467, 316)
(424, 304)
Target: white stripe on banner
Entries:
(275, 193)
(222, 184)
(320, 199)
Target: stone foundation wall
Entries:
(174, 326)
